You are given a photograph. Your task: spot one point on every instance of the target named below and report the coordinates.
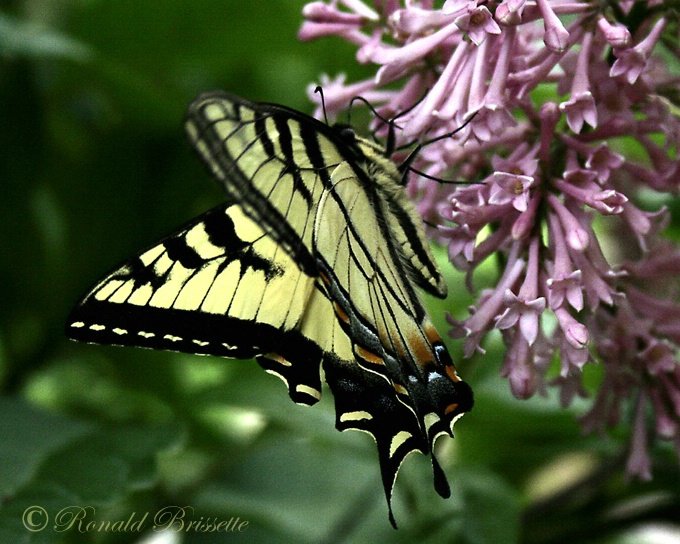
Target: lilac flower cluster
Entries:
(571, 131)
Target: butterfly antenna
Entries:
(391, 138)
(391, 145)
(370, 107)
(406, 165)
(319, 90)
(439, 180)
(412, 106)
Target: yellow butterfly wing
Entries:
(415, 394)
(218, 286)
(312, 264)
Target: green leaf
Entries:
(30, 436)
(491, 508)
(51, 463)
(31, 39)
(296, 490)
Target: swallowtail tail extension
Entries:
(311, 265)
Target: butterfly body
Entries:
(312, 265)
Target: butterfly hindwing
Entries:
(415, 393)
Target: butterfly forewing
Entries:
(272, 160)
(312, 265)
(403, 222)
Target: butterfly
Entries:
(311, 266)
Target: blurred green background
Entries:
(94, 166)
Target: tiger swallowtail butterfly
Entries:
(312, 264)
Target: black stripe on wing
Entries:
(203, 334)
(121, 309)
(251, 150)
(367, 402)
(429, 278)
(288, 158)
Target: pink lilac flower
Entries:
(477, 22)
(631, 61)
(570, 123)
(580, 108)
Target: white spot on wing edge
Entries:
(456, 418)
(430, 419)
(355, 416)
(309, 391)
(78, 325)
(274, 373)
(200, 343)
(172, 338)
(120, 331)
(97, 327)
(277, 359)
(397, 440)
(146, 334)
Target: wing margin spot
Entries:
(358, 415)
(307, 390)
(398, 440)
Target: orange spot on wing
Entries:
(324, 278)
(400, 389)
(451, 372)
(368, 356)
(450, 408)
(340, 313)
(431, 333)
(421, 347)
